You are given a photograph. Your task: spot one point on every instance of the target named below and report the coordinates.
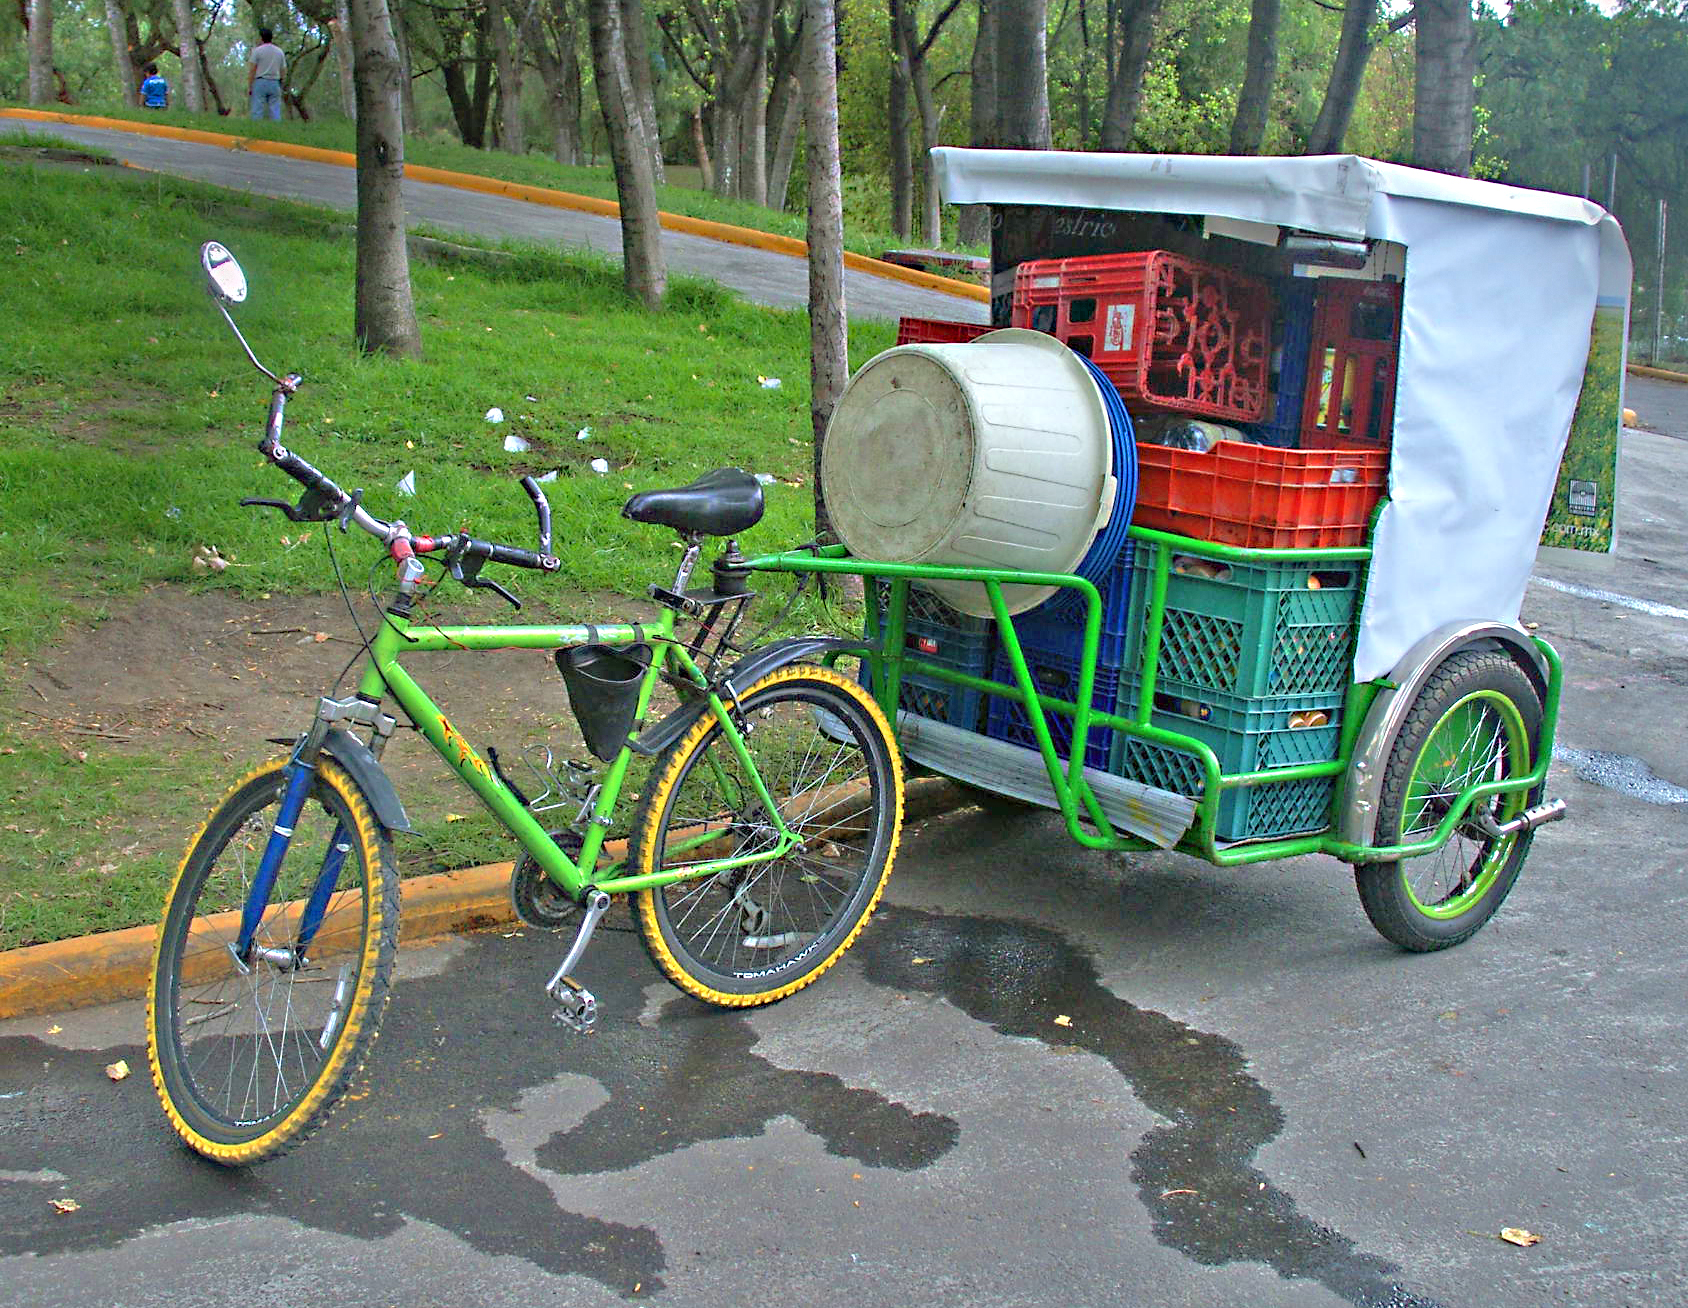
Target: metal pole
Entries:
(1612, 184)
(1588, 183)
(1659, 303)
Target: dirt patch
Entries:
(180, 672)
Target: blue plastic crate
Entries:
(1056, 674)
(1262, 735)
(1057, 625)
(1292, 339)
(934, 631)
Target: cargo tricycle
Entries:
(1215, 540)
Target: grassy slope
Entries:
(532, 169)
(128, 419)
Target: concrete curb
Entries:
(116, 965)
(724, 232)
(1658, 374)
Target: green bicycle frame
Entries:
(383, 673)
(1080, 810)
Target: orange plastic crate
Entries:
(938, 331)
(1170, 332)
(1351, 365)
(1260, 496)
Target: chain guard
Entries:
(539, 901)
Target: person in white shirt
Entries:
(263, 78)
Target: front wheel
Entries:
(1477, 719)
(250, 1053)
(764, 929)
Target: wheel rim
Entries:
(1480, 738)
(250, 1045)
(765, 918)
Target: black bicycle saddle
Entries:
(720, 503)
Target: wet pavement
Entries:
(1043, 1077)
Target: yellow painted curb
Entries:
(114, 965)
(724, 232)
(1661, 374)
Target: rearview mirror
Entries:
(228, 282)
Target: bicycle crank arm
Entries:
(1531, 818)
(576, 1008)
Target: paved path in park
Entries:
(761, 275)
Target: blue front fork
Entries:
(298, 786)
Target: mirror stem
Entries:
(223, 309)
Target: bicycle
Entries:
(760, 846)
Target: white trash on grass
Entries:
(600, 466)
(407, 483)
(495, 414)
(514, 443)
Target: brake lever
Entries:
(313, 506)
(470, 575)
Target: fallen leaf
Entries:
(1063, 1020)
(1518, 1235)
(1167, 1194)
(455, 817)
(64, 1205)
(320, 636)
(118, 1070)
(918, 961)
(54, 1029)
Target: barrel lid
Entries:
(898, 457)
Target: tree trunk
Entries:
(900, 125)
(385, 317)
(342, 30)
(1022, 79)
(753, 129)
(507, 57)
(635, 183)
(187, 50)
(559, 69)
(210, 81)
(976, 218)
(705, 169)
(785, 116)
(1248, 127)
(407, 86)
(1131, 36)
(1444, 72)
(41, 88)
(633, 33)
(117, 22)
(829, 359)
(1353, 49)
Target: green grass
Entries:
(531, 169)
(129, 417)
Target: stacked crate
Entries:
(934, 631)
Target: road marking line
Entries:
(1612, 597)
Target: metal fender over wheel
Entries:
(1477, 719)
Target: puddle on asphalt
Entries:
(1017, 978)
(410, 1144)
(1623, 773)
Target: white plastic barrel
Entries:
(993, 453)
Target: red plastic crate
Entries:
(938, 331)
(1356, 342)
(1259, 496)
(1170, 332)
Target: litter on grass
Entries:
(600, 466)
(514, 443)
(407, 483)
(495, 414)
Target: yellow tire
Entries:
(757, 933)
(249, 1056)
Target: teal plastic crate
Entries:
(934, 631)
(1261, 738)
(1268, 630)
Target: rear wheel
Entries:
(1477, 719)
(758, 932)
(250, 1054)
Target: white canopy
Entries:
(1498, 299)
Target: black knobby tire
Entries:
(248, 1061)
(759, 933)
(1458, 732)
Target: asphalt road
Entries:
(1254, 1101)
(760, 275)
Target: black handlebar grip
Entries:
(543, 507)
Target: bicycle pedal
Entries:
(576, 1007)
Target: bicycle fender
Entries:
(749, 669)
(353, 755)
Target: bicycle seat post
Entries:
(688, 561)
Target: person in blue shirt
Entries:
(155, 91)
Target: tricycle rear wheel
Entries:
(1477, 719)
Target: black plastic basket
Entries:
(603, 684)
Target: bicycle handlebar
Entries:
(323, 501)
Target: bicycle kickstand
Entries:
(576, 1008)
